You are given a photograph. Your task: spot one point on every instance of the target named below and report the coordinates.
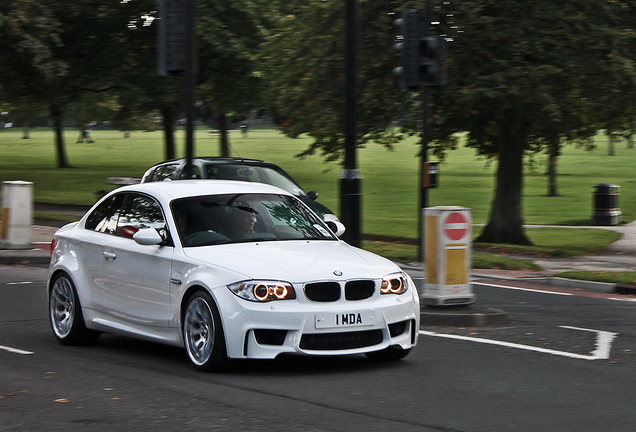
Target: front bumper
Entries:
(265, 330)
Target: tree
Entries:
(30, 34)
(229, 35)
(304, 69)
(527, 74)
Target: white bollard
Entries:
(17, 215)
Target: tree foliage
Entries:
(304, 68)
(229, 37)
(523, 75)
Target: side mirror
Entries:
(312, 195)
(337, 227)
(147, 237)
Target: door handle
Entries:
(109, 255)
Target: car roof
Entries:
(219, 160)
(170, 190)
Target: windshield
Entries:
(218, 219)
(257, 174)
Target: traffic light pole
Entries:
(423, 172)
(428, 14)
(350, 179)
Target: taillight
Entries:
(52, 246)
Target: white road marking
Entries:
(15, 350)
(604, 341)
(522, 289)
(627, 299)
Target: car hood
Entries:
(295, 261)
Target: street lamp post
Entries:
(350, 179)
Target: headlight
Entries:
(263, 291)
(396, 283)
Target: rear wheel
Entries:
(391, 353)
(203, 333)
(65, 313)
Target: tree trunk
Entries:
(506, 223)
(58, 125)
(224, 140)
(169, 116)
(611, 144)
(553, 157)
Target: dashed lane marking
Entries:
(15, 350)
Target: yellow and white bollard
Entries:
(447, 238)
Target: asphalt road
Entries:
(566, 362)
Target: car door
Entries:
(137, 285)
(100, 225)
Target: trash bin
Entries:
(606, 211)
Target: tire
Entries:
(65, 314)
(203, 334)
(392, 353)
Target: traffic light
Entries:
(432, 59)
(410, 27)
(422, 55)
(172, 37)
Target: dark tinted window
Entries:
(216, 219)
(164, 172)
(259, 174)
(196, 173)
(104, 217)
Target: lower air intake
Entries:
(341, 341)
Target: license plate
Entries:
(345, 319)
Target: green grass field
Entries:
(389, 185)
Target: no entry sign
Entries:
(455, 226)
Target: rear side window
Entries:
(164, 172)
(104, 217)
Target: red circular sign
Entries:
(456, 226)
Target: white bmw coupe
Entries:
(227, 270)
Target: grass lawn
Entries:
(389, 186)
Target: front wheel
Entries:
(203, 333)
(65, 313)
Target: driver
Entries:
(242, 221)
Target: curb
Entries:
(29, 256)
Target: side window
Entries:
(167, 172)
(153, 175)
(196, 173)
(104, 217)
(212, 172)
(140, 211)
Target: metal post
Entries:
(190, 85)
(428, 14)
(350, 177)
